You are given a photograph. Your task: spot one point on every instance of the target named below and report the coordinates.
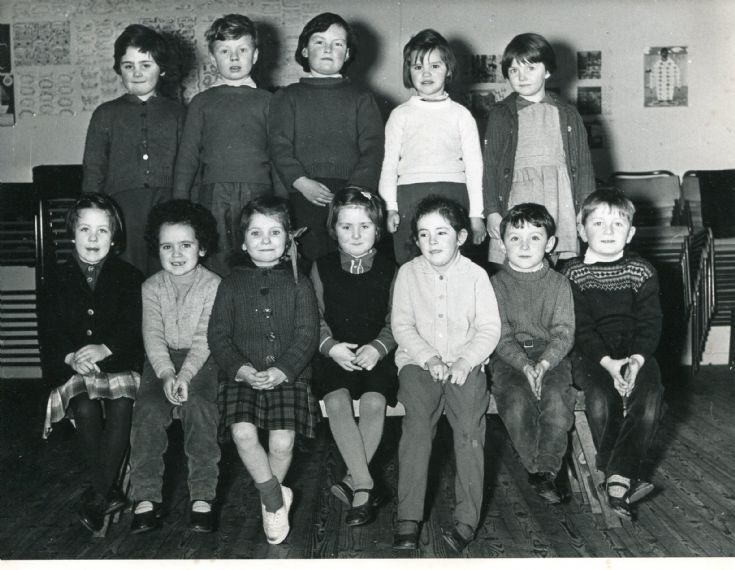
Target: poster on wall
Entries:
(589, 64)
(7, 99)
(665, 77)
(589, 100)
(485, 68)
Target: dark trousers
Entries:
(153, 414)
(538, 428)
(465, 406)
(622, 442)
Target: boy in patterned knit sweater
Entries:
(618, 320)
(531, 373)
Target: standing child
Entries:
(618, 318)
(94, 346)
(263, 334)
(446, 323)
(353, 287)
(535, 147)
(131, 141)
(531, 374)
(431, 144)
(226, 136)
(325, 131)
(179, 377)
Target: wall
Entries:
(699, 136)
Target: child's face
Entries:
(234, 59)
(178, 249)
(438, 240)
(327, 51)
(528, 79)
(92, 235)
(607, 231)
(526, 246)
(139, 73)
(429, 76)
(355, 230)
(265, 240)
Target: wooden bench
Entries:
(585, 478)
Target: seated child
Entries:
(618, 320)
(93, 349)
(446, 323)
(531, 374)
(178, 374)
(353, 287)
(263, 334)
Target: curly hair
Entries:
(187, 213)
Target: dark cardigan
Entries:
(75, 316)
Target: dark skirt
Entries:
(329, 376)
(290, 405)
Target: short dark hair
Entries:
(102, 202)
(357, 196)
(186, 213)
(146, 40)
(271, 206)
(611, 197)
(530, 47)
(322, 23)
(448, 209)
(231, 27)
(528, 213)
(422, 43)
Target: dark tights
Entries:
(103, 438)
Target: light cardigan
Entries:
(432, 141)
(450, 315)
(171, 323)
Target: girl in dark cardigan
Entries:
(94, 348)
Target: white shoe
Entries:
(276, 525)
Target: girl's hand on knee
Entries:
(393, 220)
(342, 353)
(367, 356)
(315, 192)
(438, 370)
(478, 230)
(459, 371)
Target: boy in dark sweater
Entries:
(225, 140)
(618, 319)
(531, 373)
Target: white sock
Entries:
(143, 507)
(201, 507)
(621, 486)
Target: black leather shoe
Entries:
(408, 540)
(639, 490)
(455, 540)
(143, 522)
(545, 486)
(382, 494)
(201, 522)
(363, 514)
(115, 500)
(343, 492)
(92, 511)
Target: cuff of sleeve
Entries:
(164, 372)
(640, 358)
(380, 347)
(391, 206)
(327, 344)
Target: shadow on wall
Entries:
(269, 51)
(183, 62)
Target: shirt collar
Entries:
(591, 257)
(357, 265)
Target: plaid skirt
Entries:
(97, 386)
(290, 405)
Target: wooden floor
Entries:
(692, 515)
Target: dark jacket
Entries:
(501, 141)
(75, 316)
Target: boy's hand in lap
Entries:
(393, 220)
(614, 369)
(438, 370)
(535, 375)
(367, 357)
(342, 353)
(169, 381)
(458, 371)
(635, 363)
(181, 391)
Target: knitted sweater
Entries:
(131, 144)
(173, 324)
(226, 137)
(262, 317)
(450, 315)
(326, 128)
(501, 141)
(617, 307)
(432, 141)
(534, 306)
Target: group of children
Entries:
(252, 342)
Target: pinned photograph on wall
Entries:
(665, 76)
(595, 134)
(589, 100)
(485, 69)
(589, 64)
(5, 61)
(7, 101)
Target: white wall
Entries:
(700, 136)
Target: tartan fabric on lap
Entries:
(108, 386)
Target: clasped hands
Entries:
(261, 379)
(456, 373)
(84, 361)
(175, 389)
(350, 357)
(623, 372)
(535, 374)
